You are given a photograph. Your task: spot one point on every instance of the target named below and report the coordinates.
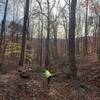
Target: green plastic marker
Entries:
(47, 73)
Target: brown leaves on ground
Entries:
(14, 87)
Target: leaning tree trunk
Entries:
(72, 66)
(25, 26)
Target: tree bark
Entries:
(47, 40)
(77, 46)
(41, 43)
(25, 26)
(55, 41)
(98, 45)
(2, 36)
(72, 24)
(86, 32)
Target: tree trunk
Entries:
(77, 46)
(3, 27)
(66, 37)
(25, 26)
(41, 41)
(55, 41)
(17, 36)
(47, 40)
(86, 33)
(47, 48)
(72, 66)
(98, 44)
(78, 38)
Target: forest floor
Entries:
(13, 87)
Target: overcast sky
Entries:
(20, 7)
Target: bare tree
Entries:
(49, 23)
(41, 32)
(25, 26)
(54, 48)
(96, 9)
(65, 25)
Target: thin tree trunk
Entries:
(47, 48)
(86, 32)
(77, 46)
(98, 45)
(55, 44)
(47, 40)
(66, 36)
(41, 42)
(55, 41)
(78, 38)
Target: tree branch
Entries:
(96, 12)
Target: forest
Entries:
(49, 49)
